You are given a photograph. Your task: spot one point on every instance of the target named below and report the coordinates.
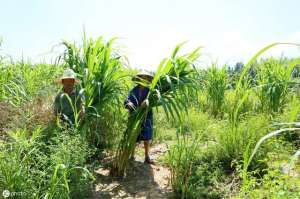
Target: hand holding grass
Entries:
(145, 103)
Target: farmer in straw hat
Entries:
(68, 102)
(138, 98)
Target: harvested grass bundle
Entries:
(170, 88)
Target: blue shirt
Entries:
(136, 98)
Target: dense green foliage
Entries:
(101, 71)
(221, 125)
(22, 82)
(274, 80)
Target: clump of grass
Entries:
(274, 79)
(232, 143)
(216, 84)
(22, 82)
(195, 170)
(181, 160)
(243, 85)
(100, 68)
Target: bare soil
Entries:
(142, 180)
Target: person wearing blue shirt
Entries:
(138, 98)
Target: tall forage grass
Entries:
(100, 68)
(21, 82)
(181, 160)
(237, 138)
(274, 79)
(243, 85)
(216, 84)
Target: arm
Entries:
(131, 102)
(56, 105)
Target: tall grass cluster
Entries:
(100, 68)
(241, 143)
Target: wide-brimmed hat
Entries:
(68, 74)
(142, 75)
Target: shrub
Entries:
(52, 168)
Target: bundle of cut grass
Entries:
(170, 88)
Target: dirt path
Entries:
(142, 181)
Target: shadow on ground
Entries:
(142, 181)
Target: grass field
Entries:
(229, 133)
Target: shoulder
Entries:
(58, 95)
(57, 99)
(78, 92)
(134, 91)
(136, 88)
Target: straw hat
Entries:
(68, 74)
(142, 75)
